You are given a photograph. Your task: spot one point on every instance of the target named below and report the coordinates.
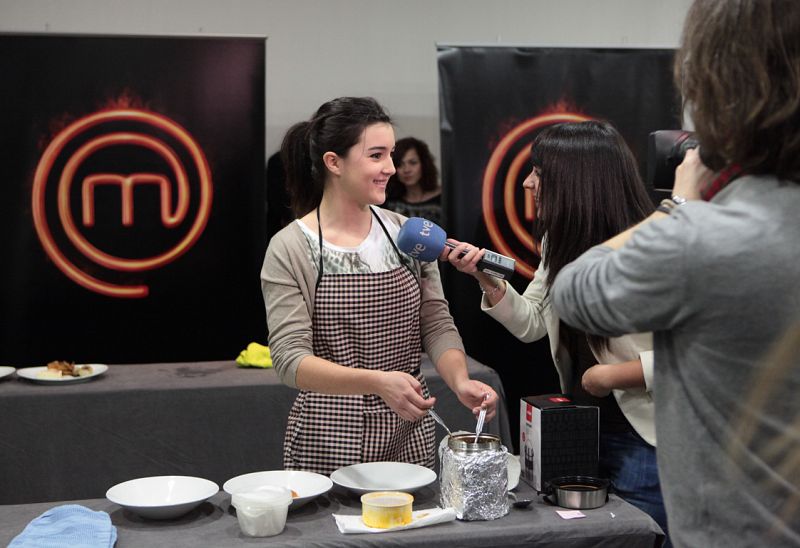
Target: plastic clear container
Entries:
(384, 509)
(262, 512)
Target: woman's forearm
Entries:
(452, 367)
(323, 376)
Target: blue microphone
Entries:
(424, 240)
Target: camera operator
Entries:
(714, 274)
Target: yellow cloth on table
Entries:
(255, 355)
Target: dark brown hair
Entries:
(335, 127)
(429, 179)
(589, 190)
(738, 69)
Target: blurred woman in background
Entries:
(414, 189)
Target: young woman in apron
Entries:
(348, 313)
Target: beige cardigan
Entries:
(288, 282)
(529, 317)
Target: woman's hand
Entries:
(597, 380)
(467, 264)
(403, 394)
(475, 394)
(692, 177)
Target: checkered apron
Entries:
(367, 321)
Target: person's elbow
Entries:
(579, 303)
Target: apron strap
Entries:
(391, 241)
(319, 272)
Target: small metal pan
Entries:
(577, 492)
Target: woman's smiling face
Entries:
(368, 165)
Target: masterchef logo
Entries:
(117, 194)
(509, 211)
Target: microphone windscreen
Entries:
(422, 239)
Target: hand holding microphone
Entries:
(426, 241)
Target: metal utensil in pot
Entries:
(438, 419)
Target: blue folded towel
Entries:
(68, 525)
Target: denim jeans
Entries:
(630, 463)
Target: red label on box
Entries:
(559, 399)
(529, 412)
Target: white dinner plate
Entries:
(5, 371)
(162, 497)
(307, 485)
(30, 373)
(383, 476)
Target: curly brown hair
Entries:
(430, 175)
(738, 69)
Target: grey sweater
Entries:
(718, 283)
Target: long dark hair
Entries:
(429, 179)
(738, 69)
(589, 191)
(335, 127)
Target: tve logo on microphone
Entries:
(425, 232)
(149, 172)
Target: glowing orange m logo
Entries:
(127, 185)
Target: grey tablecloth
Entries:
(208, 419)
(214, 523)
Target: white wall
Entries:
(320, 49)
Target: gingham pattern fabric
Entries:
(369, 321)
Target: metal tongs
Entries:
(481, 419)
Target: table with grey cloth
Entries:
(214, 523)
(208, 419)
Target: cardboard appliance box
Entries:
(557, 438)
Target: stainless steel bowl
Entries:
(578, 492)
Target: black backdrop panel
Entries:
(131, 197)
(493, 101)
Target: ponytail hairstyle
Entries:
(335, 127)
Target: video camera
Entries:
(665, 151)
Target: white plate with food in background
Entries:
(5, 371)
(305, 486)
(41, 374)
(383, 476)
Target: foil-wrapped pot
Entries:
(474, 477)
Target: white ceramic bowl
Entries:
(383, 476)
(162, 497)
(307, 485)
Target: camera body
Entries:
(666, 149)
